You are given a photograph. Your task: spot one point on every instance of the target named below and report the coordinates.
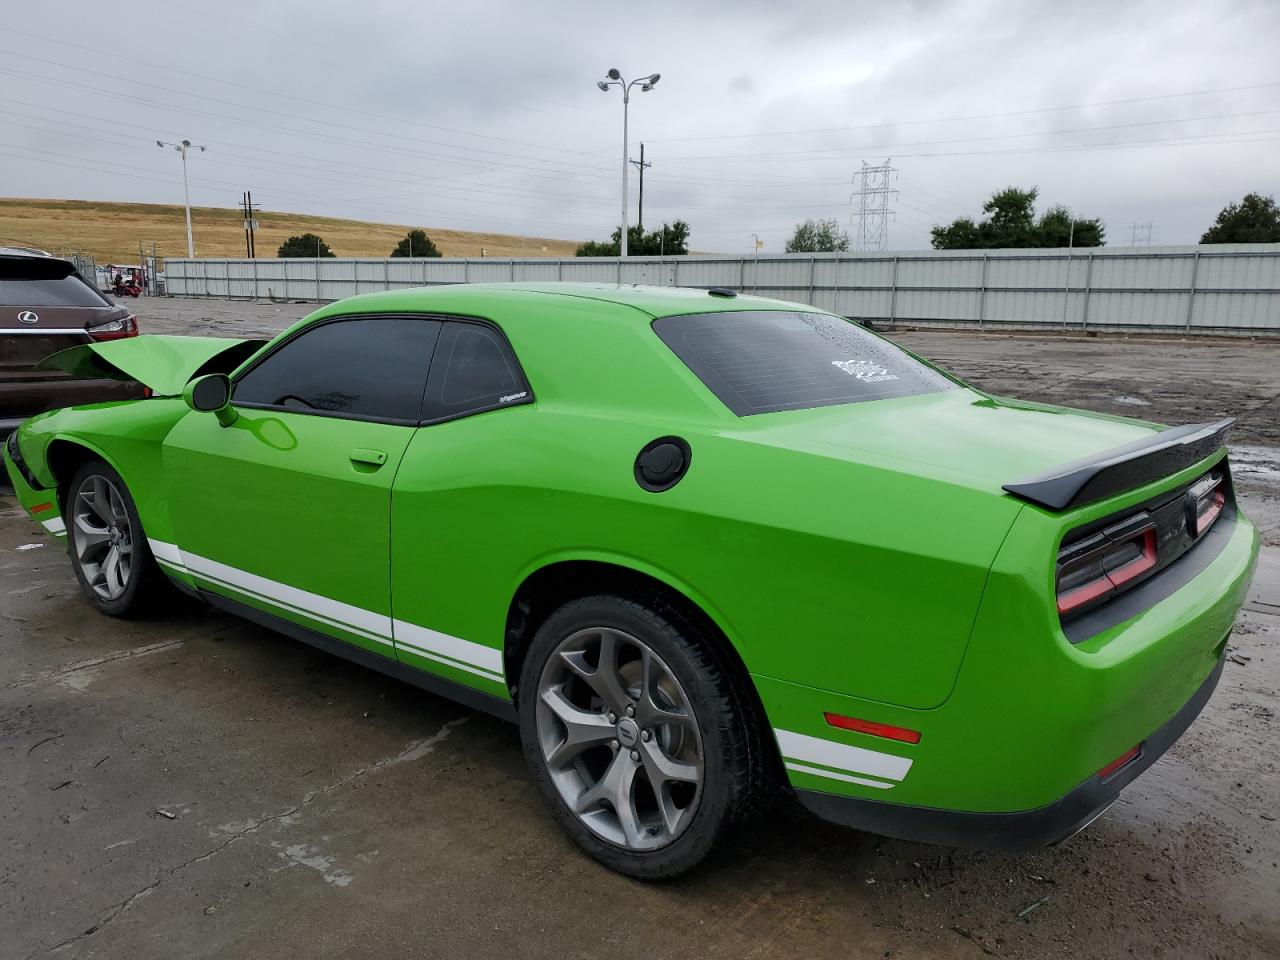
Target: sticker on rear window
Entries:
(864, 370)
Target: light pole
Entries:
(614, 79)
(182, 148)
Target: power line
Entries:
(975, 116)
(259, 90)
(842, 152)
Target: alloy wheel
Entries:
(103, 537)
(620, 739)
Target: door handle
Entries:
(374, 458)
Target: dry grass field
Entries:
(111, 232)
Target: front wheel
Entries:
(631, 728)
(105, 540)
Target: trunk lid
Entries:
(960, 436)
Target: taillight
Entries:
(1094, 569)
(1205, 501)
(888, 731)
(114, 329)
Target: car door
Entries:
(287, 510)
(447, 507)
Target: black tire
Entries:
(734, 767)
(145, 587)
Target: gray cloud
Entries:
(485, 116)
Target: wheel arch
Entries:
(65, 455)
(557, 582)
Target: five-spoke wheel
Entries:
(103, 536)
(108, 548)
(619, 738)
(639, 739)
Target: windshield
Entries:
(764, 362)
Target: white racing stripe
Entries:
(57, 526)
(450, 651)
(421, 638)
(832, 775)
(872, 763)
(343, 613)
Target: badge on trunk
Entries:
(27, 316)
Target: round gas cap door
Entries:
(661, 463)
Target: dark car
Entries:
(46, 306)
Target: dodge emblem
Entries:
(27, 316)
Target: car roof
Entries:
(25, 253)
(646, 302)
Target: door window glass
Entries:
(365, 369)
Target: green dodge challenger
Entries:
(701, 547)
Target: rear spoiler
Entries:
(1122, 468)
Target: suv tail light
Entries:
(1094, 569)
(114, 329)
(1205, 501)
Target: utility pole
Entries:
(873, 205)
(182, 148)
(250, 224)
(640, 165)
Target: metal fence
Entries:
(1220, 289)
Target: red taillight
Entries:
(889, 732)
(1120, 761)
(1091, 571)
(114, 329)
(1206, 500)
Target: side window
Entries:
(371, 368)
(473, 370)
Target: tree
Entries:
(1255, 219)
(670, 240)
(818, 236)
(1010, 221)
(416, 243)
(307, 245)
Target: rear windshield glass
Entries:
(41, 282)
(769, 361)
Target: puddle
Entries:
(1259, 464)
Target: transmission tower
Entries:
(1142, 233)
(873, 196)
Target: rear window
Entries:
(44, 282)
(764, 362)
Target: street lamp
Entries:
(615, 79)
(182, 148)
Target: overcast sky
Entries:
(485, 115)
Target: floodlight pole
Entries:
(182, 148)
(615, 79)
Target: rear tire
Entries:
(107, 545)
(634, 735)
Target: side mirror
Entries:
(211, 394)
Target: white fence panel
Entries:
(1229, 288)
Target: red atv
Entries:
(131, 287)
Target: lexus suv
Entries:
(46, 306)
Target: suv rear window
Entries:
(767, 361)
(44, 282)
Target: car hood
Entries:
(162, 363)
(960, 435)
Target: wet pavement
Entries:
(194, 786)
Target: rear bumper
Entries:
(1022, 830)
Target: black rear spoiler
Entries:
(1123, 468)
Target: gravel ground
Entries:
(195, 786)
